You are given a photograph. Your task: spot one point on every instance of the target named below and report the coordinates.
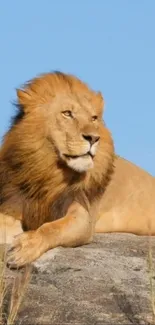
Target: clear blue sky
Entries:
(110, 44)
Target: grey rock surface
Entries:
(106, 282)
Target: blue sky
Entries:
(110, 44)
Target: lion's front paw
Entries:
(26, 248)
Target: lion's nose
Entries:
(91, 138)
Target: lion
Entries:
(61, 179)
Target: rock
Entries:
(106, 282)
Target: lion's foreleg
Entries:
(75, 229)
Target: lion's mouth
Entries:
(79, 156)
(79, 163)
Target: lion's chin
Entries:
(80, 164)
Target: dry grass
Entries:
(18, 291)
(11, 292)
(3, 285)
(151, 279)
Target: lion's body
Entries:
(128, 205)
(60, 176)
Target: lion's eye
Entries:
(67, 113)
(94, 118)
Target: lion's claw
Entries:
(25, 249)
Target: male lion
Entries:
(60, 176)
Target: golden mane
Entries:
(43, 88)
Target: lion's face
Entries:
(74, 127)
(72, 120)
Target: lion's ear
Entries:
(24, 97)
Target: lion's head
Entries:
(57, 148)
(67, 115)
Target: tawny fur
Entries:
(60, 176)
